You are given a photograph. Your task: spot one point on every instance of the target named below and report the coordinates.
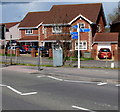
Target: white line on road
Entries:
(55, 78)
(31, 93)
(16, 91)
(102, 83)
(117, 85)
(20, 93)
(2, 85)
(81, 108)
(79, 81)
(41, 76)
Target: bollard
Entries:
(112, 65)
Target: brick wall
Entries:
(94, 51)
(35, 32)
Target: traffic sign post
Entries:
(78, 45)
(76, 35)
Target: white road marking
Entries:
(81, 108)
(20, 93)
(2, 85)
(55, 78)
(117, 85)
(31, 93)
(16, 91)
(79, 81)
(102, 83)
(41, 76)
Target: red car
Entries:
(105, 53)
(26, 47)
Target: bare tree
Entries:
(63, 38)
(115, 15)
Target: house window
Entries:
(57, 29)
(82, 45)
(29, 31)
(82, 25)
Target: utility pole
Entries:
(78, 30)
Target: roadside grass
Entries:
(69, 66)
(74, 58)
(7, 54)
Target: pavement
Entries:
(73, 74)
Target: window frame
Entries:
(82, 25)
(55, 30)
(84, 47)
(28, 30)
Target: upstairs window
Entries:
(82, 45)
(29, 31)
(57, 29)
(82, 25)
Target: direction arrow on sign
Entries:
(84, 30)
(74, 37)
(75, 26)
(74, 33)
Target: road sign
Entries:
(74, 37)
(84, 30)
(74, 33)
(75, 26)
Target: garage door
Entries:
(104, 46)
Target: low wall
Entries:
(15, 52)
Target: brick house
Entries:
(45, 28)
(29, 28)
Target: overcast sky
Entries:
(15, 10)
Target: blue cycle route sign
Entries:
(84, 30)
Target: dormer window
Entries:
(57, 29)
(29, 31)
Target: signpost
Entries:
(78, 45)
(76, 35)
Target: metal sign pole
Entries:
(78, 45)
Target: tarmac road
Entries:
(37, 91)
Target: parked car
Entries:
(44, 51)
(26, 47)
(105, 53)
(22, 51)
(31, 47)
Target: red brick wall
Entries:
(35, 31)
(101, 24)
(2, 51)
(114, 50)
(94, 51)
